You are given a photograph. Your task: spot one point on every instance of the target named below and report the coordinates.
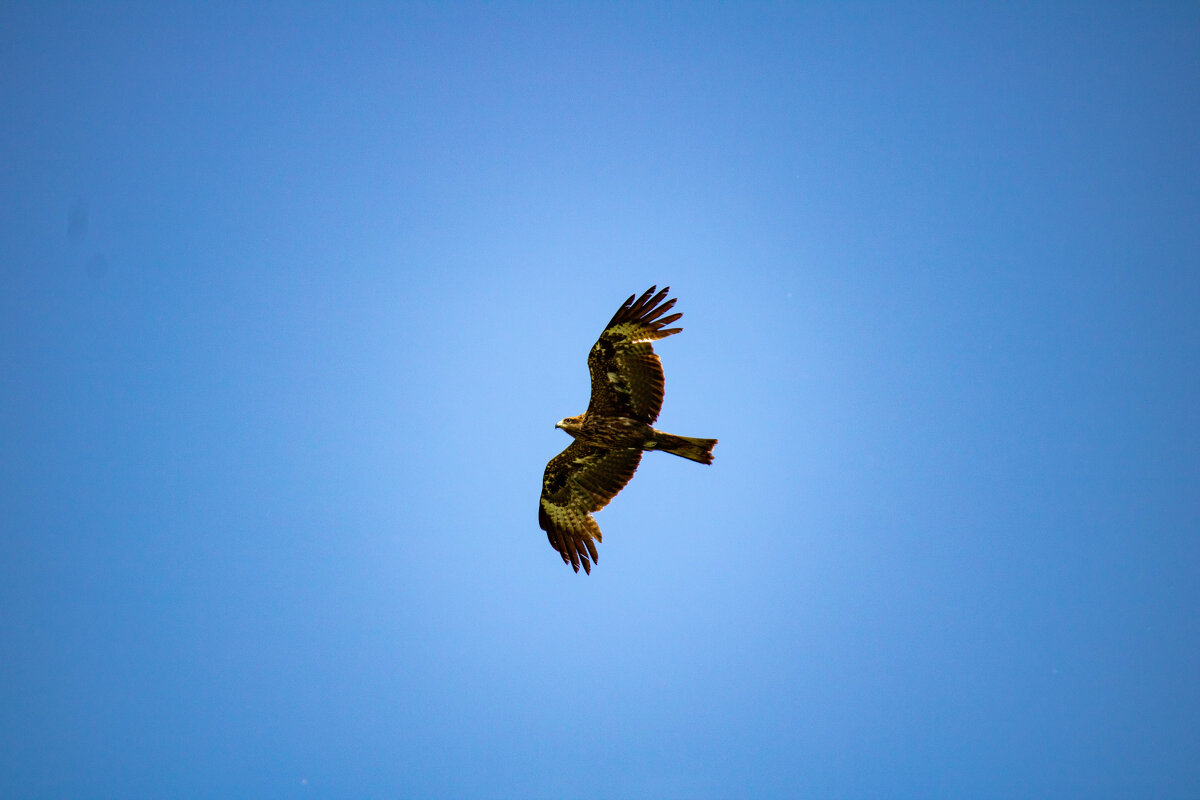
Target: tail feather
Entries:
(685, 446)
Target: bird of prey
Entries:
(627, 394)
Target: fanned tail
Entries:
(685, 446)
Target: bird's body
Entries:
(627, 391)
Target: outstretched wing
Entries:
(627, 378)
(579, 480)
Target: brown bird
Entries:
(627, 394)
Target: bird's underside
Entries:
(610, 437)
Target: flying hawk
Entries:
(627, 394)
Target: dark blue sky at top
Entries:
(291, 297)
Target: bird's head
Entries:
(571, 425)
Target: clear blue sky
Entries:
(291, 298)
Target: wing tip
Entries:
(568, 547)
(646, 309)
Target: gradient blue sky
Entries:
(291, 297)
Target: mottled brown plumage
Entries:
(627, 394)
